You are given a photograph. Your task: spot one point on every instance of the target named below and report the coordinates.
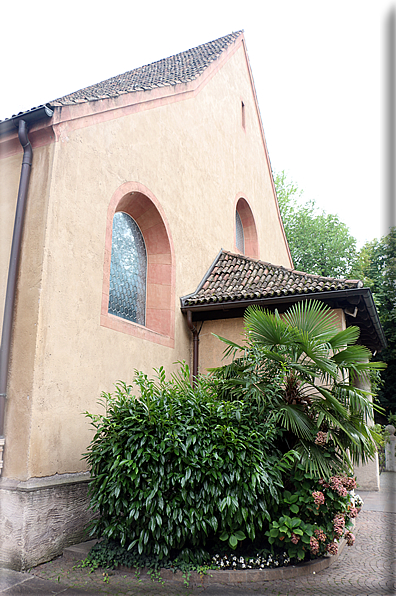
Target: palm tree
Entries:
(300, 370)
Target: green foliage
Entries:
(282, 532)
(300, 370)
(319, 242)
(392, 419)
(176, 467)
(382, 436)
(376, 266)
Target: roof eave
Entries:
(273, 301)
(270, 300)
(31, 116)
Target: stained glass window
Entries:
(128, 272)
(240, 237)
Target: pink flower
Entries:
(321, 438)
(314, 545)
(320, 535)
(332, 548)
(318, 498)
(349, 482)
(337, 484)
(295, 538)
(353, 512)
(339, 524)
(350, 538)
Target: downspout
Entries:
(195, 333)
(13, 273)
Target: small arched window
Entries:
(246, 240)
(240, 237)
(128, 270)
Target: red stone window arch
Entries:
(244, 219)
(143, 207)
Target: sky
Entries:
(321, 72)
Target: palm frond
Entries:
(295, 419)
(356, 400)
(313, 317)
(346, 337)
(232, 348)
(330, 400)
(266, 328)
(354, 354)
(318, 461)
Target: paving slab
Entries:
(14, 582)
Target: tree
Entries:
(376, 267)
(300, 369)
(319, 242)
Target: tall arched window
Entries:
(138, 295)
(128, 270)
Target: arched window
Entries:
(138, 295)
(240, 237)
(128, 270)
(246, 240)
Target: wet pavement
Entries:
(366, 569)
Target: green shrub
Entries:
(175, 467)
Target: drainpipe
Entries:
(195, 333)
(13, 268)
(21, 121)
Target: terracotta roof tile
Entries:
(235, 277)
(180, 68)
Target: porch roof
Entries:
(234, 282)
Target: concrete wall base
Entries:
(40, 517)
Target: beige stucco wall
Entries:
(9, 175)
(211, 349)
(21, 386)
(195, 157)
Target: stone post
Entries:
(390, 447)
(367, 475)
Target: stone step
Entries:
(78, 552)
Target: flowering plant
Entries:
(322, 510)
(291, 533)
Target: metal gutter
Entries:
(20, 122)
(31, 116)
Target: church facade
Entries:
(134, 186)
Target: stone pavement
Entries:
(366, 569)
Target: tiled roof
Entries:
(181, 68)
(233, 278)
